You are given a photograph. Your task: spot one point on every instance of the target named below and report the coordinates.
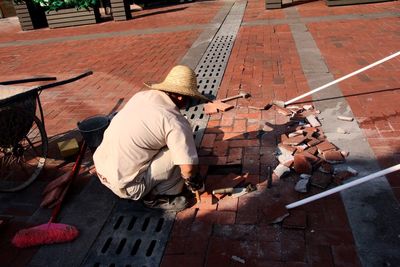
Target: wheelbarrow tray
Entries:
(17, 112)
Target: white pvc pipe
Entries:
(343, 187)
(343, 78)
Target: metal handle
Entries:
(343, 78)
(343, 187)
(51, 85)
(223, 191)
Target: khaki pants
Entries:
(161, 178)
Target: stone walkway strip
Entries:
(368, 205)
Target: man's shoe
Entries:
(167, 203)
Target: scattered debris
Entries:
(308, 107)
(280, 170)
(344, 118)
(313, 121)
(333, 156)
(236, 258)
(303, 183)
(326, 168)
(321, 180)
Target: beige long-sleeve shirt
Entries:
(147, 123)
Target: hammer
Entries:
(219, 105)
(283, 104)
(241, 95)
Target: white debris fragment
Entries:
(236, 258)
(281, 170)
(302, 184)
(344, 118)
(308, 107)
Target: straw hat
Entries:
(180, 80)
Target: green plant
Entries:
(50, 5)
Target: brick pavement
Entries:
(264, 62)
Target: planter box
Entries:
(272, 4)
(351, 2)
(72, 17)
(120, 10)
(30, 16)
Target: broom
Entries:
(51, 232)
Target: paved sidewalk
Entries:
(277, 54)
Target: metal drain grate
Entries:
(132, 236)
(211, 69)
(209, 76)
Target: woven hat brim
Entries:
(177, 90)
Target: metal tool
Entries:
(219, 105)
(285, 103)
(235, 191)
(241, 95)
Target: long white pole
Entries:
(343, 78)
(343, 187)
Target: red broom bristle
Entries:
(45, 234)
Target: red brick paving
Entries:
(265, 63)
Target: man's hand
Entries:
(195, 183)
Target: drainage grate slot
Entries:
(159, 224)
(132, 223)
(151, 248)
(118, 223)
(136, 247)
(145, 224)
(120, 246)
(106, 245)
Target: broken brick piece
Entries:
(284, 149)
(313, 120)
(310, 157)
(321, 180)
(341, 176)
(284, 137)
(296, 133)
(326, 168)
(301, 164)
(325, 146)
(308, 107)
(283, 111)
(313, 141)
(215, 107)
(312, 150)
(333, 156)
(294, 141)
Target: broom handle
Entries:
(74, 172)
(343, 78)
(343, 187)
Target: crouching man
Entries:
(148, 151)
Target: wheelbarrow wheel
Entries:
(21, 163)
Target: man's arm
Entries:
(188, 170)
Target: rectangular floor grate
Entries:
(211, 68)
(132, 236)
